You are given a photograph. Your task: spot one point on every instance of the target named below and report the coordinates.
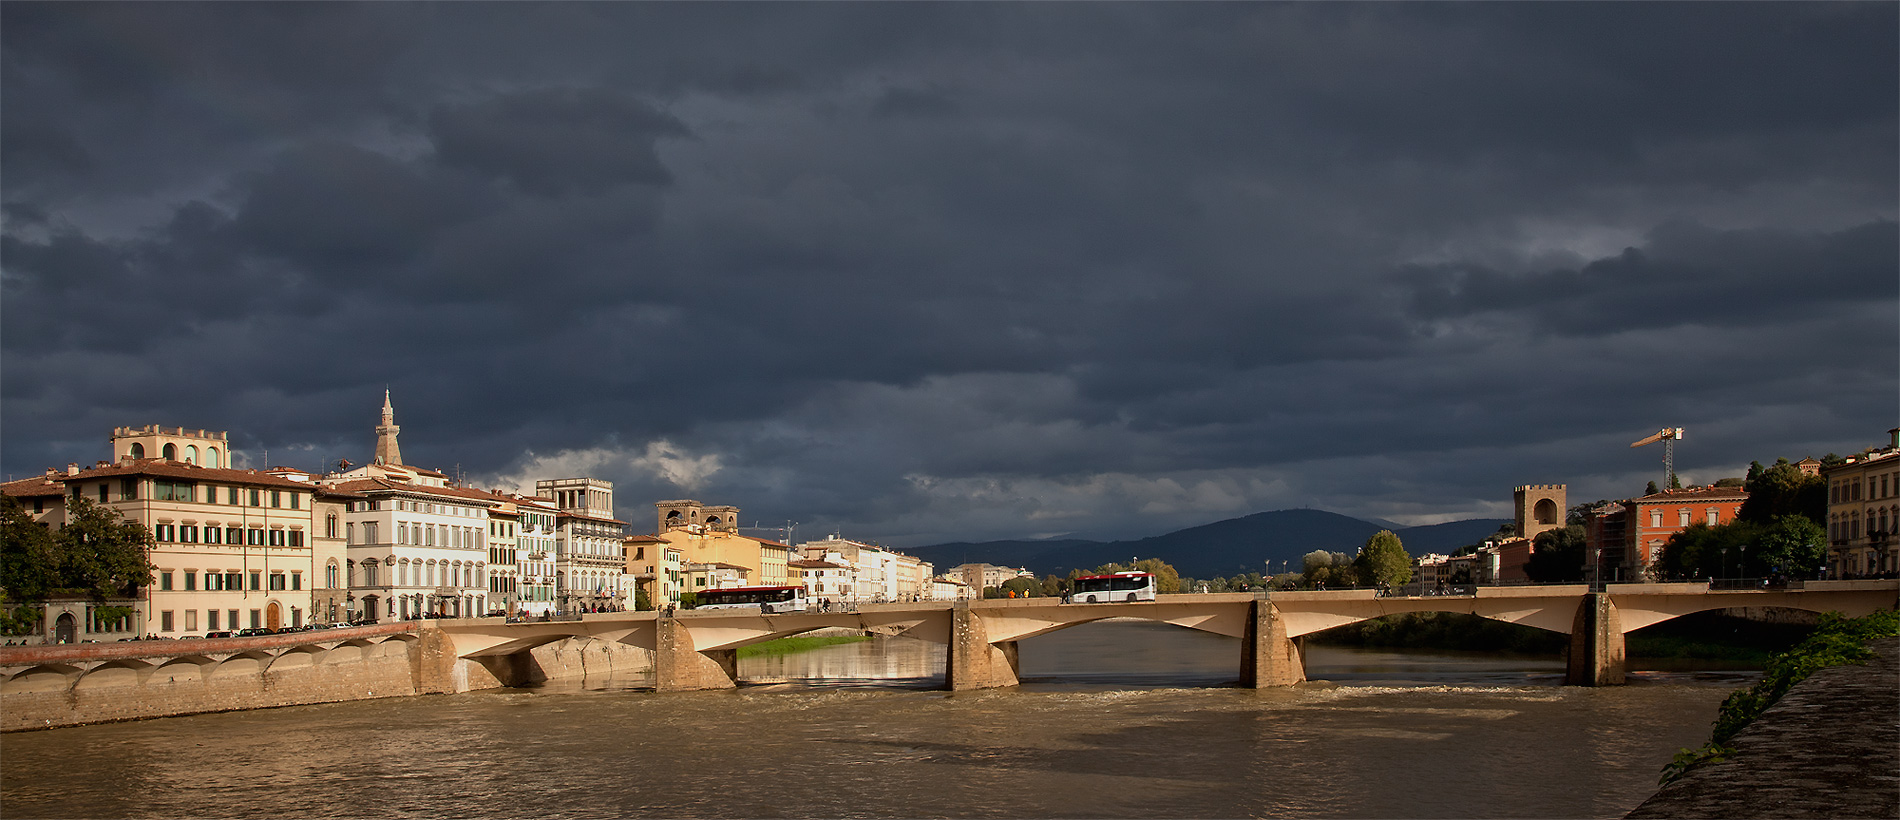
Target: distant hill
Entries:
(1224, 548)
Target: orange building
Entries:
(1626, 536)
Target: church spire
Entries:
(387, 452)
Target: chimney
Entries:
(1893, 439)
(72, 468)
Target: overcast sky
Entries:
(924, 272)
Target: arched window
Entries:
(211, 457)
(191, 454)
(330, 575)
(170, 453)
(329, 525)
(138, 450)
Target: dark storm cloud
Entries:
(556, 141)
(921, 271)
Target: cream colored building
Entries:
(876, 573)
(233, 549)
(1863, 512)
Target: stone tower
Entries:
(387, 452)
(1540, 507)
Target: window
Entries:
(1655, 518)
(233, 535)
(402, 533)
(349, 533)
(276, 538)
(165, 580)
(102, 492)
(277, 583)
(233, 614)
(276, 499)
(174, 491)
(296, 581)
(1715, 517)
(211, 620)
(191, 620)
(293, 501)
(161, 532)
(257, 537)
(233, 581)
(369, 573)
(231, 496)
(369, 532)
(213, 535)
(329, 526)
(188, 534)
(191, 580)
(254, 499)
(257, 618)
(39, 506)
(329, 575)
(165, 621)
(128, 488)
(296, 538)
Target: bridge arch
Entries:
(51, 677)
(114, 673)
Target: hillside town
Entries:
(237, 550)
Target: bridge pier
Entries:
(1595, 655)
(974, 662)
(1267, 656)
(678, 667)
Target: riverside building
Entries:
(232, 548)
(1863, 511)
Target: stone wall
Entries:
(48, 687)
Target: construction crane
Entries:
(1668, 436)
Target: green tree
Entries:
(641, 601)
(1558, 555)
(1792, 546)
(101, 554)
(1023, 587)
(1783, 490)
(29, 555)
(1383, 561)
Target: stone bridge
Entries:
(698, 649)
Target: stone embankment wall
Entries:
(1827, 749)
(52, 686)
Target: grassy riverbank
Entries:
(798, 643)
(1836, 641)
(1702, 636)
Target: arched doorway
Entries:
(274, 616)
(66, 629)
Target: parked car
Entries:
(222, 633)
(253, 632)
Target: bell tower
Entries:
(387, 452)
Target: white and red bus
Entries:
(1115, 586)
(766, 599)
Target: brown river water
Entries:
(1113, 720)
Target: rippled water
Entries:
(1112, 721)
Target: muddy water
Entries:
(1112, 720)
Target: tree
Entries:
(1023, 587)
(1792, 546)
(103, 555)
(29, 555)
(1558, 555)
(1383, 561)
(1650, 489)
(1783, 490)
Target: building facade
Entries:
(1863, 511)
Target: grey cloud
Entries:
(557, 141)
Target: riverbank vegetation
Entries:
(1701, 636)
(797, 643)
(1836, 641)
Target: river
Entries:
(1116, 719)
